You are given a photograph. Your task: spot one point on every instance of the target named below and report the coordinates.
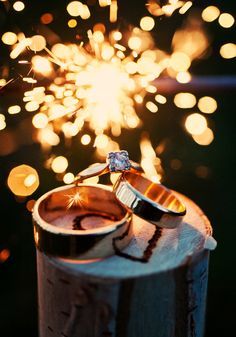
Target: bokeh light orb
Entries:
(196, 124)
(207, 104)
(59, 164)
(18, 6)
(147, 23)
(228, 50)
(9, 38)
(210, 13)
(38, 43)
(23, 180)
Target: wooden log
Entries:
(160, 293)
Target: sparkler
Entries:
(102, 83)
(99, 83)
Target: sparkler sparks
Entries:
(101, 84)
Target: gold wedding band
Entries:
(150, 201)
(82, 222)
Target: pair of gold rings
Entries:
(86, 222)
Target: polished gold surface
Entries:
(81, 222)
(146, 199)
(99, 169)
(94, 170)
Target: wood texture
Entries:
(120, 297)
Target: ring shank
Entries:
(146, 199)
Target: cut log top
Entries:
(171, 248)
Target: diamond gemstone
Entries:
(118, 161)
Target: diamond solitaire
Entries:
(118, 161)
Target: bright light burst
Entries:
(101, 84)
(74, 200)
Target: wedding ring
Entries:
(82, 222)
(116, 162)
(150, 201)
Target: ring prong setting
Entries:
(118, 161)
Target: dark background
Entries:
(214, 192)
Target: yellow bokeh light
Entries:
(228, 50)
(14, 109)
(138, 99)
(85, 13)
(40, 120)
(2, 122)
(69, 178)
(196, 124)
(75, 8)
(117, 36)
(152, 107)
(113, 11)
(23, 180)
(185, 100)
(41, 65)
(180, 61)
(210, 13)
(151, 88)
(226, 20)
(72, 23)
(107, 52)
(132, 121)
(207, 104)
(147, 23)
(205, 138)
(185, 7)
(70, 129)
(98, 36)
(59, 164)
(9, 38)
(18, 6)
(160, 99)
(135, 43)
(2, 82)
(101, 141)
(38, 43)
(104, 3)
(183, 77)
(48, 137)
(32, 106)
(85, 139)
(61, 51)
(131, 67)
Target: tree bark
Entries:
(163, 295)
